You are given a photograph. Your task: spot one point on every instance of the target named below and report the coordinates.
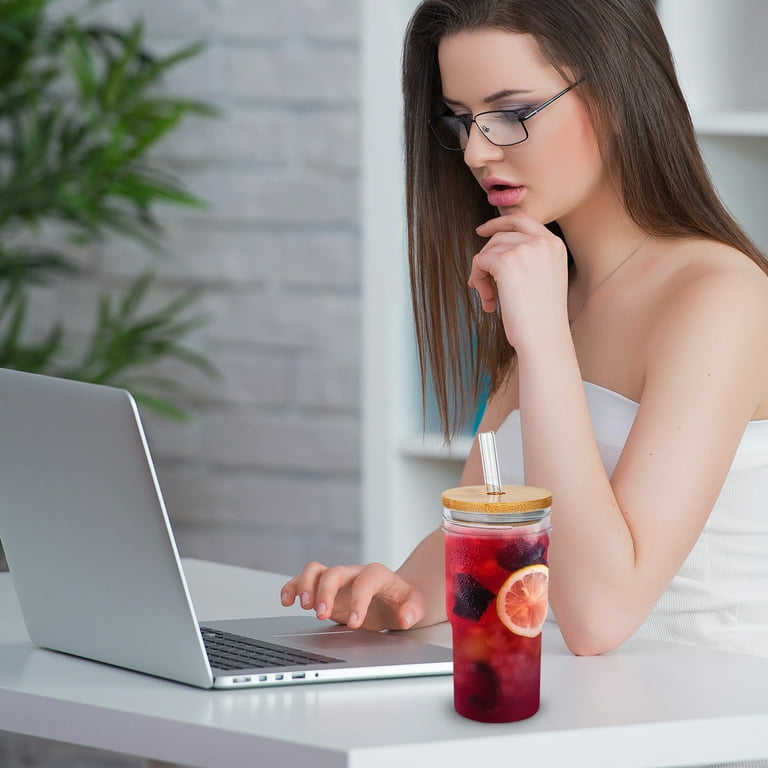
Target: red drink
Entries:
(496, 581)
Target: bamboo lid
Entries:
(513, 498)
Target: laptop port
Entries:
(298, 675)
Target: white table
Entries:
(645, 704)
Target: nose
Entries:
(479, 151)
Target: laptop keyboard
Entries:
(227, 651)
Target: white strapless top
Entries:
(719, 598)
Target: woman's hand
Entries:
(523, 271)
(360, 596)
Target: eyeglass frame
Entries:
(467, 123)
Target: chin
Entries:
(526, 210)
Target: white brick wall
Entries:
(266, 474)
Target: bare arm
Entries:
(617, 542)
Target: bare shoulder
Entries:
(711, 309)
(714, 284)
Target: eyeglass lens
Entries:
(501, 128)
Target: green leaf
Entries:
(117, 68)
(80, 62)
(13, 352)
(84, 162)
(159, 405)
(33, 266)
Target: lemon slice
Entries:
(521, 603)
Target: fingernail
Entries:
(321, 609)
(284, 599)
(353, 618)
(409, 619)
(305, 599)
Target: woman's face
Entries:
(558, 171)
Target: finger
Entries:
(411, 611)
(511, 222)
(376, 580)
(288, 592)
(485, 286)
(303, 586)
(331, 582)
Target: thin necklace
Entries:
(572, 320)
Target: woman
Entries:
(563, 229)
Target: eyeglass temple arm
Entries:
(549, 101)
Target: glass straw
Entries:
(490, 460)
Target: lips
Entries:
(505, 197)
(502, 194)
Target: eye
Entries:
(516, 113)
(464, 118)
(504, 117)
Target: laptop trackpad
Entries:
(337, 640)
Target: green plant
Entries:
(81, 107)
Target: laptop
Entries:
(97, 571)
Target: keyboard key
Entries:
(228, 651)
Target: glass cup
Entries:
(496, 573)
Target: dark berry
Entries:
(482, 691)
(522, 551)
(470, 598)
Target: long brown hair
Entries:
(630, 89)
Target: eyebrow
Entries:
(493, 97)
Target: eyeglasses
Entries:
(504, 128)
